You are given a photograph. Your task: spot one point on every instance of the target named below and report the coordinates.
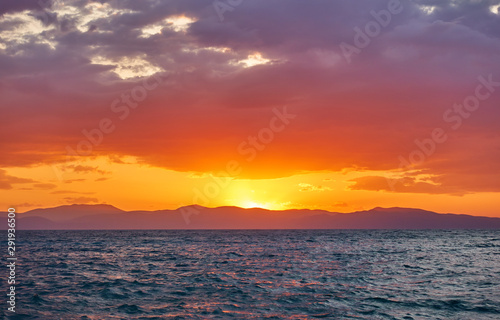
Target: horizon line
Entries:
(250, 208)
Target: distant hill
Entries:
(86, 217)
(73, 211)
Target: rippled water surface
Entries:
(293, 274)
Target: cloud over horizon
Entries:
(65, 68)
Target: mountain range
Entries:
(103, 216)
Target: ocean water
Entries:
(292, 274)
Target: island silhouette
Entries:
(108, 217)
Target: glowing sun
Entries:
(252, 204)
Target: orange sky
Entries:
(146, 107)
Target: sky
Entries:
(334, 105)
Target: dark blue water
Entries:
(295, 274)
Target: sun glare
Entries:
(252, 204)
(250, 194)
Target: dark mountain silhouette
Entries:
(73, 211)
(84, 217)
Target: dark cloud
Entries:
(44, 186)
(74, 180)
(70, 192)
(84, 169)
(10, 6)
(403, 185)
(6, 180)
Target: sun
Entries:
(245, 194)
(247, 204)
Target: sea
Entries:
(256, 274)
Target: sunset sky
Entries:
(335, 105)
